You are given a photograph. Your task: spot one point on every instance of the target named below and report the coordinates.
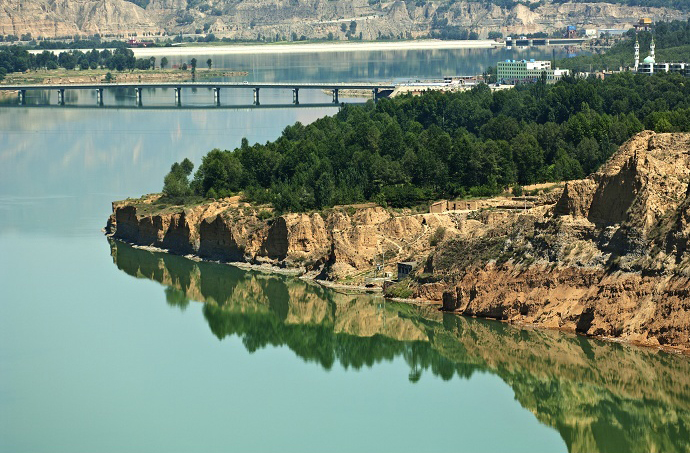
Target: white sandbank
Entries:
(312, 47)
(252, 48)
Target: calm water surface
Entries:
(108, 348)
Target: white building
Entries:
(650, 66)
(512, 71)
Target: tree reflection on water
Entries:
(601, 397)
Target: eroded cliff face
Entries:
(69, 17)
(334, 244)
(247, 19)
(608, 259)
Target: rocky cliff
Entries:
(334, 244)
(609, 259)
(66, 18)
(312, 18)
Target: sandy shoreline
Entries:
(239, 49)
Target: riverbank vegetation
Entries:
(18, 59)
(18, 66)
(408, 150)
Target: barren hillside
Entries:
(310, 18)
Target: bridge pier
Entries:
(256, 96)
(295, 96)
(375, 92)
(178, 96)
(547, 42)
(137, 90)
(531, 42)
(61, 96)
(21, 95)
(216, 96)
(99, 96)
(335, 95)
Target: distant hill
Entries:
(309, 19)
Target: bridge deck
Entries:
(94, 86)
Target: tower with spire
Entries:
(650, 66)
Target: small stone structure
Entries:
(404, 269)
(458, 205)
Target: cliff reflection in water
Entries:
(601, 397)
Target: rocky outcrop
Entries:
(247, 19)
(219, 242)
(72, 17)
(334, 244)
(608, 259)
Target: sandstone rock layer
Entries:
(608, 259)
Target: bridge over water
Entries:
(377, 89)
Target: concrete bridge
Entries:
(377, 89)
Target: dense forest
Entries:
(672, 41)
(407, 150)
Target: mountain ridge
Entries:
(311, 19)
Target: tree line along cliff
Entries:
(408, 150)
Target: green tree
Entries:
(587, 154)
(324, 189)
(176, 182)
(209, 63)
(164, 62)
(529, 157)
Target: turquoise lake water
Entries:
(108, 348)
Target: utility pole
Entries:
(381, 267)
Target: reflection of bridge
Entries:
(545, 41)
(377, 89)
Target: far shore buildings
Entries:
(649, 65)
(515, 71)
